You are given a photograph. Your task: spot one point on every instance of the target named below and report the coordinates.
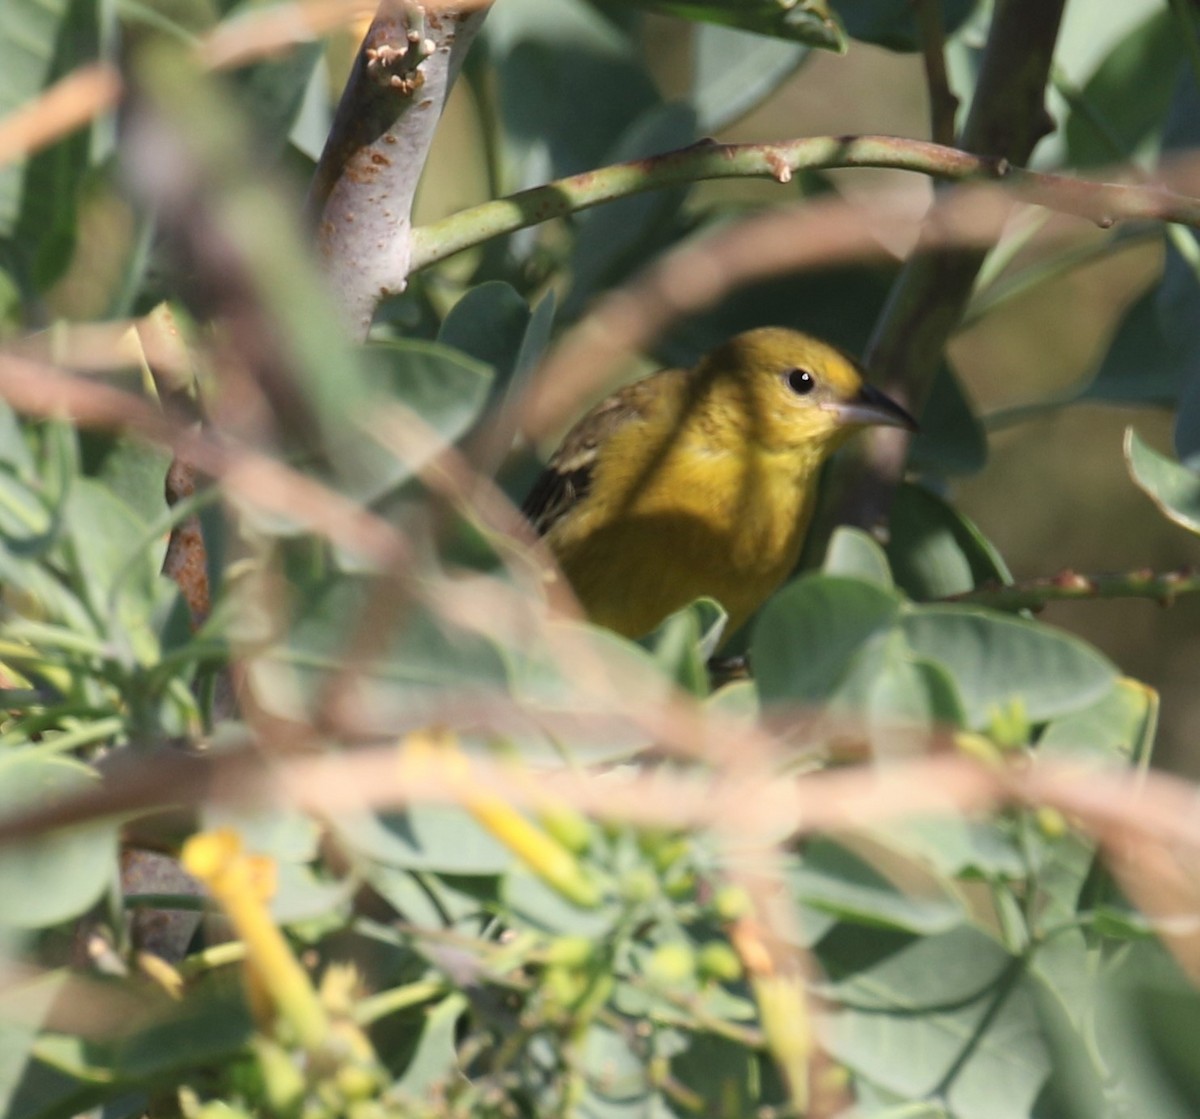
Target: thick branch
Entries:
(362, 194)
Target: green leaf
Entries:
(897, 691)
(616, 240)
(806, 21)
(24, 1006)
(1119, 727)
(683, 643)
(435, 1058)
(55, 875)
(957, 847)
(735, 71)
(119, 564)
(996, 661)
(425, 837)
(947, 1016)
(891, 23)
(1149, 1011)
(271, 93)
(29, 32)
(951, 439)
(135, 472)
(550, 60)
(934, 550)
(837, 304)
(807, 635)
(419, 661)
(853, 554)
(836, 881)
(53, 179)
(440, 392)
(1125, 100)
(1173, 488)
(1143, 364)
(489, 324)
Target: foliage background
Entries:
(999, 922)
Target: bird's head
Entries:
(789, 390)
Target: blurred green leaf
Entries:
(53, 178)
(892, 24)
(1142, 365)
(894, 689)
(735, 71)
(24, 1007)
(1124, 102)
(271, 93)
(996, 660)
(420, 661)
(934, 550)
(803, 21)
(951, 439)
(1118, 727)
(549, 61)
(683, 643)
(53, 876)
(118, 563)
(29, 33)
(490, 324)
(615, 240)
(1172, 487)
(435, 1057)
(855, 555)
(836, 881)
(807, 635)
(425, 837)
(948, 1016)
(960, 848)
(431, 394)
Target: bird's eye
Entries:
(800, 381)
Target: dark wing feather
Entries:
(568, 475)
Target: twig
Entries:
(1103, 203)
(1163, 587)
(943, 105)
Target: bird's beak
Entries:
(870, 406)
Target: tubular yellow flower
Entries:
(702, 481)
(549, 859)
(241, 884)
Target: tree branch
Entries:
(362, 194)
(1103, 203)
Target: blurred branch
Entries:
(1007, 119)
(362, 194)
(817, 233)
(1103, 203)
(1162, 587)
(943, 105)
(69, 104)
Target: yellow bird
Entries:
(701, 481)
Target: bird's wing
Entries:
(568, 475)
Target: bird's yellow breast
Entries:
(679, 511)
